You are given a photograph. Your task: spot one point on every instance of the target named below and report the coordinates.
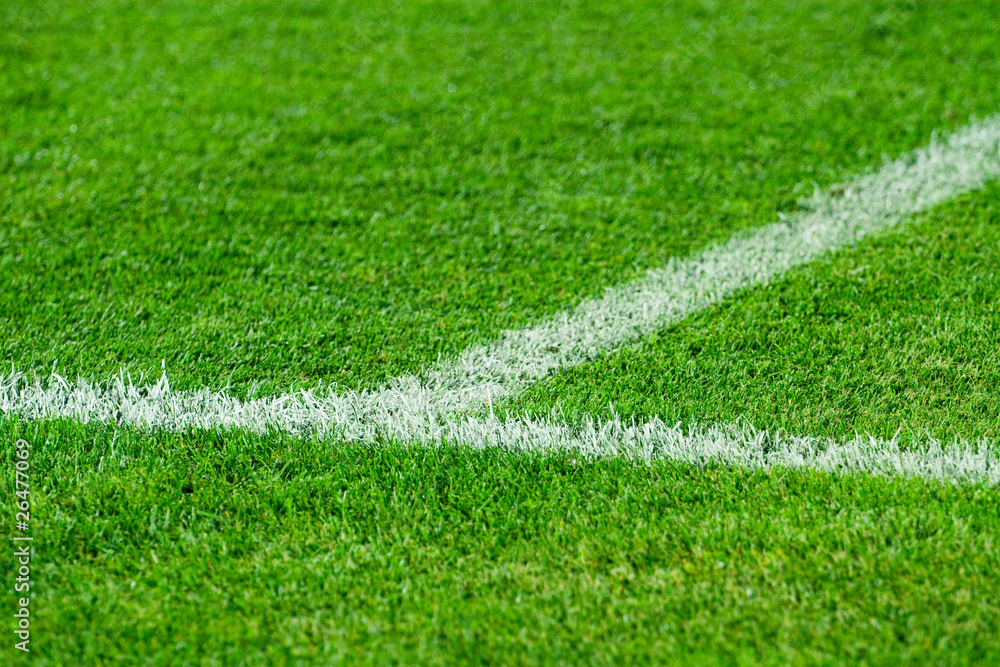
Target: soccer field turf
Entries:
(502, 333)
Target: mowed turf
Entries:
(901, 334)
(296, 193)
(229, 548)
(221, 548)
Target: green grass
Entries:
(295, 193)
(210, 548)
(898, 334)
(290, 193)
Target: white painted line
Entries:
(410, 408)
(869, 205)
(326, 416)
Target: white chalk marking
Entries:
(434, 407)
(325, 416)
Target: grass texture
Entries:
(286, 194)
(222, 548)
(296, 193)
(899, 334)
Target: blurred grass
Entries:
(296, 193)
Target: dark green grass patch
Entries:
(209, 548)
(302, 192)
(900, 333)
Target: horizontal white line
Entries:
(410, 408)
(305, 413)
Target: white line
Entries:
(869, 205)
(305, 413)
(407, 407)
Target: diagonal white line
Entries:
(870, 204)
(413, 407)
